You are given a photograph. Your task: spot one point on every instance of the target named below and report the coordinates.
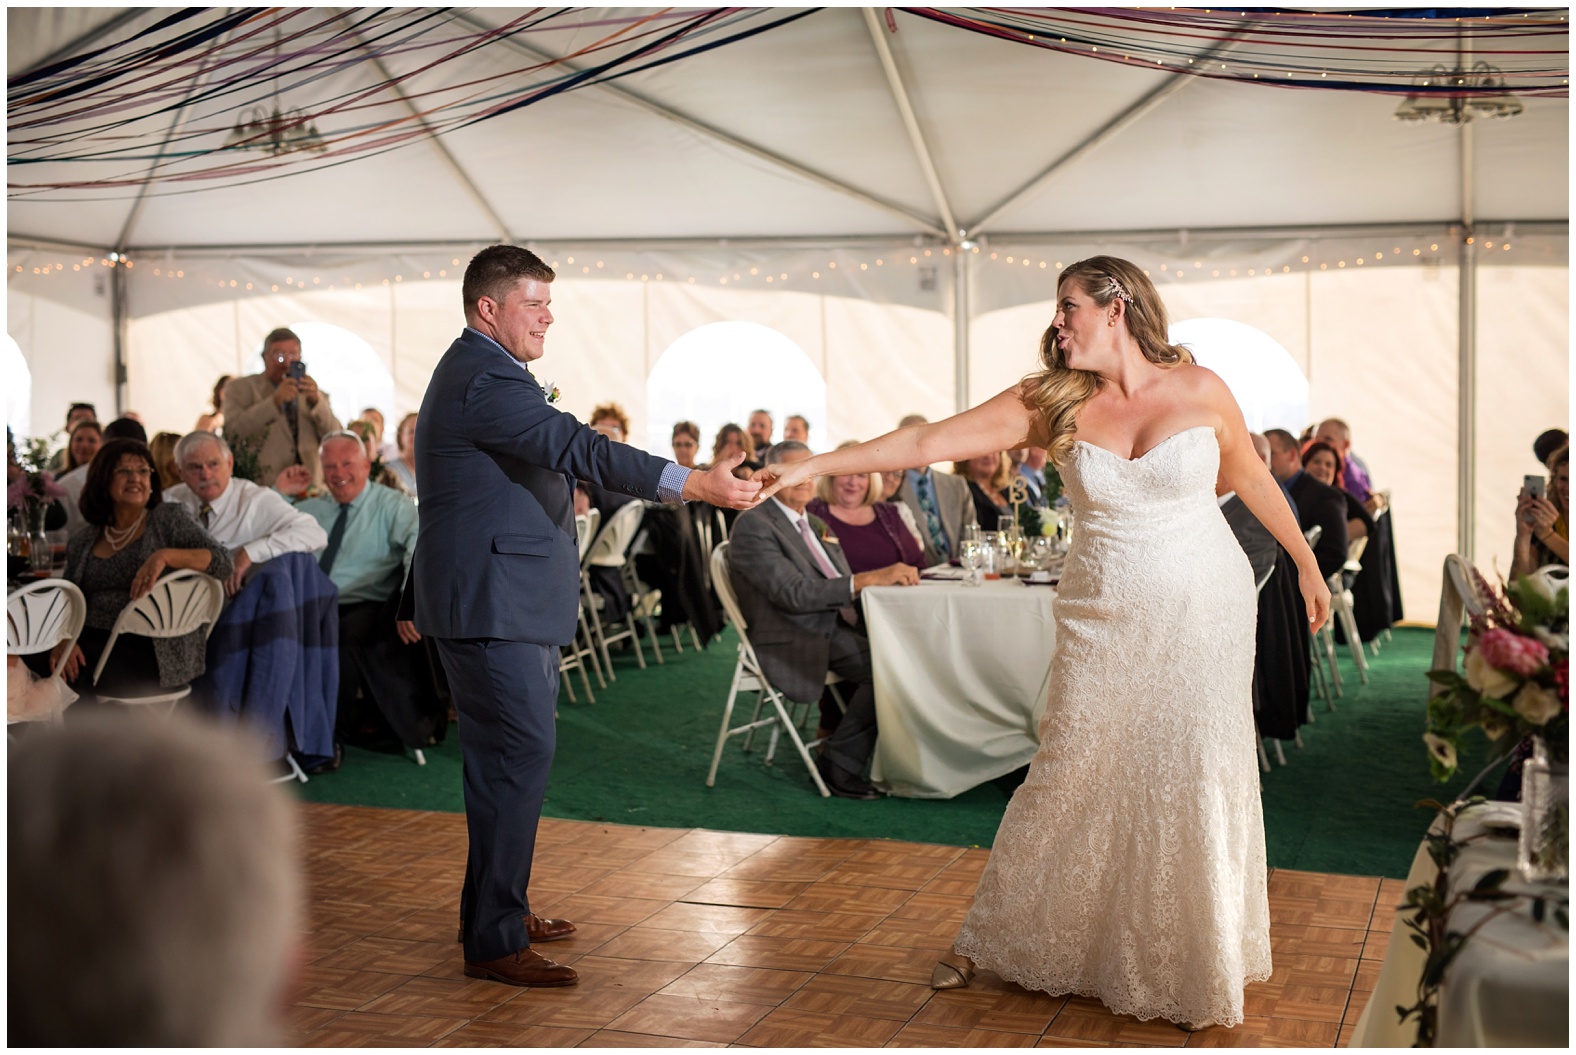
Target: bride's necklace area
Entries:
(118, 538)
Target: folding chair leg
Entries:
(804, 752)
(590, 649)
(678, 642)
(722, 734)
(568, 682)
(1280, 755)
(1264, 759)
(596, 624)
(634, 638)
(694, 637)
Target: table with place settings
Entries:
(961, 674)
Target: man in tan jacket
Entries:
(283, 416)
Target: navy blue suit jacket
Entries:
(496, 554)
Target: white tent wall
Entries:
(64, 325)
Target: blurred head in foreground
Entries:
(153, 887)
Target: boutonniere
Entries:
(823, 533)
(549, 390)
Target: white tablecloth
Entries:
(960, 681)
(1510, 986)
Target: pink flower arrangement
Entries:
(30, 487)
(1512, 652)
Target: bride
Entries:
(1130, 864)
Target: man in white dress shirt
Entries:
(257, 523)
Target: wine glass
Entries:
(971, 532)
(971, 554)
(1041, 552)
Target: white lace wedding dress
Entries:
(1130, 864)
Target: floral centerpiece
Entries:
(33, 488)
(1515, 687)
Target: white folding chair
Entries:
(178, 604)
(1343, 606)
(40, 616)
(748, 677)
(574, 654)
(644, 599)
(1325, 671)
(610, 550)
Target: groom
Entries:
(497, 576)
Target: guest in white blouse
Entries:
(404, 466)
(257, 523)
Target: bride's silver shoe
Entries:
(951, 976)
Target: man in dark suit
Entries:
(941, 503)
(797, 595)
(1315, 503)
(496, 582)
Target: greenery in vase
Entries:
(1516, 676)
(245, 449)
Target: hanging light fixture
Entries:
(1457, 96)
(274, 133)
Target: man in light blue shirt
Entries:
(371, 540)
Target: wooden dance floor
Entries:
(710, 939)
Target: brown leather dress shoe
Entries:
(527, 968)
(540, 930)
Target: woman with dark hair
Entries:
(1130, 864)
(1324, 463)
(1543, 534)
(988, 476)
(686, 443)
(731, 439)
(214, 421)
(133, 536)
(86, 438)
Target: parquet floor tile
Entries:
(708, 939)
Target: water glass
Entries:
(971, 532)
(971, 554)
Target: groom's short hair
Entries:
(494, 271)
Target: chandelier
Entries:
(1454, 97)
(274, 133)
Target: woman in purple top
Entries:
(873, 533)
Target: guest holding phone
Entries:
(1543, 518)
(281, 412)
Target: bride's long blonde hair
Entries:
(1056, 391)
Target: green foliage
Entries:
(246, 449)
(39, 452)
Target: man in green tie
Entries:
(371, 539)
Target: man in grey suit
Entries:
(283, 416)
(797, 595)
(496, 582)
(941, 504)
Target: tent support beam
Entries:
(1112, 128)
(437, 142)
(923, 223)
(905, 108)
(1466, 360)
(118, 316)
(960, 332)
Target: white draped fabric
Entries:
(960, 682)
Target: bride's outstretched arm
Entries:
(1001, 423)
(1244, 472)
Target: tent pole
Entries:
(960, 330)
(117, 307)
(1466, 360)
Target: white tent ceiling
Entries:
(666, 153)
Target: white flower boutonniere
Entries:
(549, 390)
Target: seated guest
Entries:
(988, 477)
(381, 474)
(1547, 443)
(797, 427)
(163, 447)
(1316, 504)
(1543, 534)
(1254, 538)
(797, 595)
(1323, 463)
(371, 539)
(1031, 466)
(255, 522)
(686, 443)
(154, 886)
(386, 451)
(75, 415)
(86, 438)
(213, 421)
(610, 420)
(730, 441)
(1285, 462)
(760, 427)
(72, 482)
(133, 537)
(873, 533)
(404, 465)
(1354, 477)
(940, 503)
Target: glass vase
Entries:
(37, 542)
(1543, 854)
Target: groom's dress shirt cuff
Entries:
(670, 487)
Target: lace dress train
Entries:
(1130, 865)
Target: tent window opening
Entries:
(719, 373)
(1268, 384)
(347, 369)
(18, 391)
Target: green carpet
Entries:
(639, 756)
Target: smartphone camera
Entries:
(297, 370)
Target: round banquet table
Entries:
(961, 675)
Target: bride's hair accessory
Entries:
(1115, 289)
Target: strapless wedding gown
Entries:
(1130, 864)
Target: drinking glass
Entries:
(1041, 552)
(971, 554)
(971, 532)
(990, 548)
